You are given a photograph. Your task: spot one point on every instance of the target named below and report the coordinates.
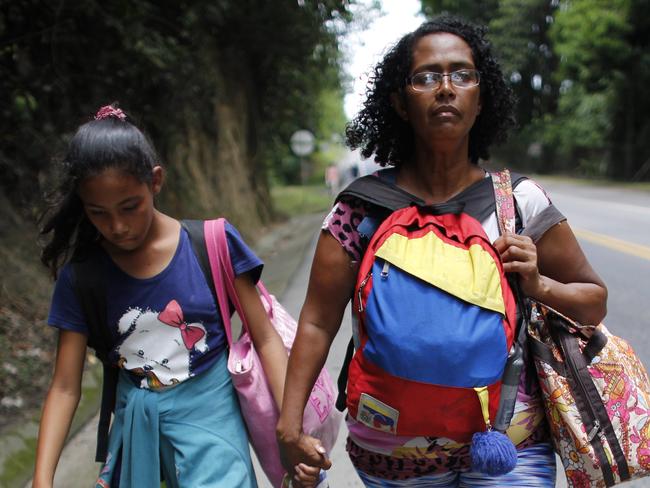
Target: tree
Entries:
(479, 12)
(518, 30)
(580, 69)
(603, 46)
(219, 85)
(520, 33)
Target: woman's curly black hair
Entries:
(377, 129)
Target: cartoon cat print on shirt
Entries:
(158, 346)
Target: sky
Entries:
(363, 49)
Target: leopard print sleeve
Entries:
(342, 223)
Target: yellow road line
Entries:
(616, 244)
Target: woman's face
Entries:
(448, 112)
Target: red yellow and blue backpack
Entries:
(435, 317)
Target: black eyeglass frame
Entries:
(477, 73)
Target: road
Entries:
(612, 226)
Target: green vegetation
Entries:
(290, 200)
(17, 460)
(219, 86)
(580, 69)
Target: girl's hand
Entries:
(519, 255)
(306, 476)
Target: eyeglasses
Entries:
(430, 80)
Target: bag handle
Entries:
(223, 275)
(505, 201)
(505, 210)
(220, 275)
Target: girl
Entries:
(176, 410)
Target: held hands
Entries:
(519, 255)
(303, 457)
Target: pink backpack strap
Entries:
(224, 275)
(505, 202)
(219, 272)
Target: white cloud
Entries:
(364, 49)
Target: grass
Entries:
(291, 200)
(17, 463)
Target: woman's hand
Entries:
(331, 284)
(519, 255)
(303, 457)
(555, 271)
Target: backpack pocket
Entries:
(422, 333)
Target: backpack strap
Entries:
(504, 201)
(380, 192)
(195, 231)
(342, 381)
(90, 288)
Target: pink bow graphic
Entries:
(173, 315)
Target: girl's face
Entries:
(120, 206)
(447, 112)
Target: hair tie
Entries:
(109, 111)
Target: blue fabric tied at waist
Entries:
(141, 433)
(192, 433)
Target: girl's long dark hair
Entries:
(111, 142)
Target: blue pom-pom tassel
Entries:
(492, 453)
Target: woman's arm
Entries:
(331, 284)
(556, 272)
(268, 343)
(60, 405)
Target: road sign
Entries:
(302, 142)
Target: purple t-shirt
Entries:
(168, 326)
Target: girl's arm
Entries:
(268, 343)
(556, 272)
(330, 287)
(60, 405)
(273, 356)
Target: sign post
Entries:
(302, 144)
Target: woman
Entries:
(437, 102)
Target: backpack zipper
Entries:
(363, 283)
(384, 270)
(593, 431)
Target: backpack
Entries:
(90, 289)
(435, 315)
